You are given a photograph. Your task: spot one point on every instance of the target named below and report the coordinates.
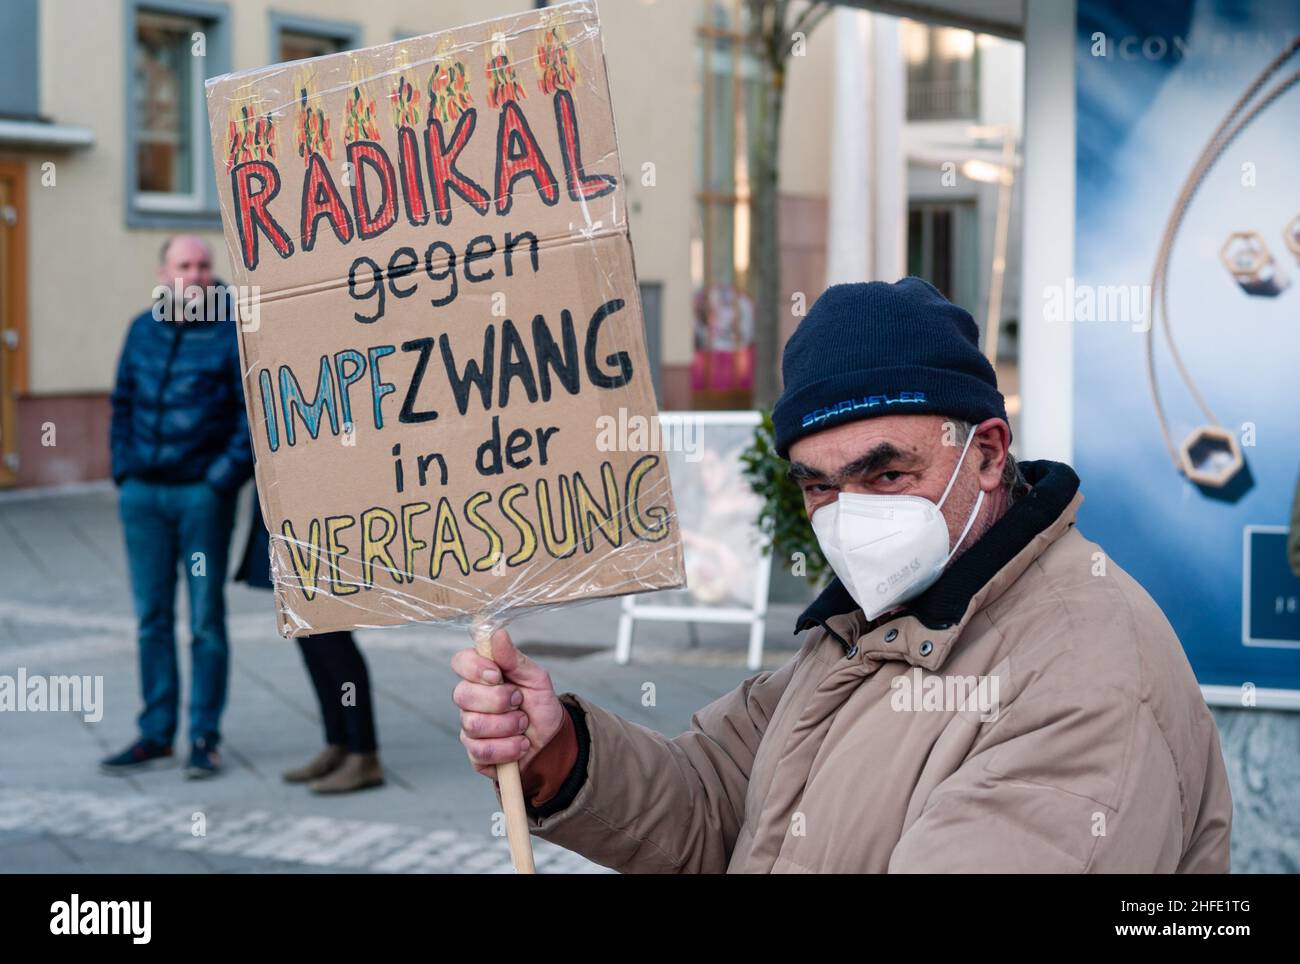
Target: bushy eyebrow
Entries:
(882, 455)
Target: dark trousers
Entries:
(342, 683)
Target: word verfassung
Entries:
(562, 518)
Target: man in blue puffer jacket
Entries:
(180, 453)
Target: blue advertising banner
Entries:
(1185, 307)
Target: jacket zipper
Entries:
(850, 650)
(162, 389)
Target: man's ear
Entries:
(993, 441)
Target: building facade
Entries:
(104, 153)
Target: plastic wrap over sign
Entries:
(439, 320)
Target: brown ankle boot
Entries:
(358, 771)
(322, 764)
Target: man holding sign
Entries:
(980, 689)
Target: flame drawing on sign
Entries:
(360, 116)
(250, 136)
(313, 125)
(554, 63)
(503, 86)
(448, 88)
(404, 97)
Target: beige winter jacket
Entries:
(1098, 753)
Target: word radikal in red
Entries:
(378, 184)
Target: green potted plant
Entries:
(781, 516)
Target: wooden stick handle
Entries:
(512, 788)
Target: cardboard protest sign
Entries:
(441, 321)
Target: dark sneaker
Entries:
(204, 760)
(140, 755)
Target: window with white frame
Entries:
(170, 131)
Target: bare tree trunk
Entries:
(765, 251)
(772, 35)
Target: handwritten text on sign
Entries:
(473, 418)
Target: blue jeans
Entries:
(188, 525)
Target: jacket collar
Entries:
(226, 293)
(975, 579)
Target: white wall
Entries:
(1047, 182)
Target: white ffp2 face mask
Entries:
(887, 549)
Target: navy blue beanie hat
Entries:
(872, 349)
